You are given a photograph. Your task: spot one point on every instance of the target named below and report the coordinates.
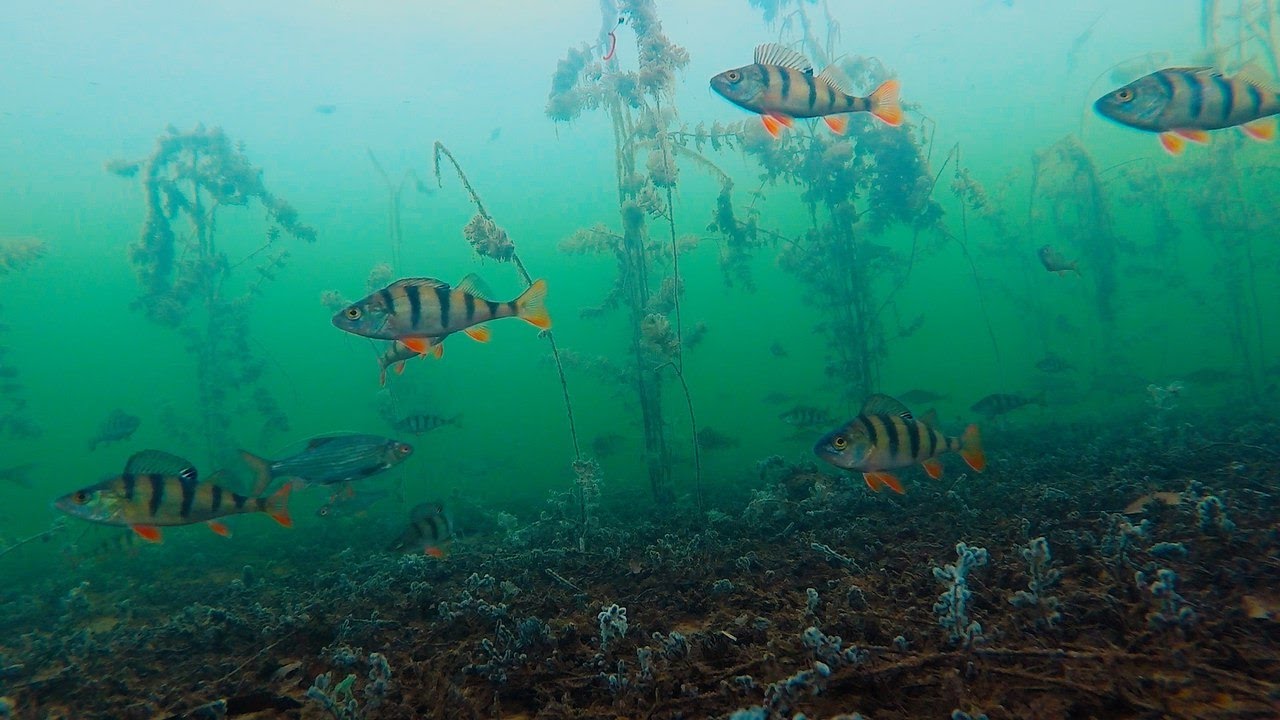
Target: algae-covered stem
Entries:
(678, 362)
(440, 150)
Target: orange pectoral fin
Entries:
(417, 344)
(400, 368)
(479, 333)
(773, 123)
(435, 552)
(1172, 143)
(438, 350)
(877, 480)
(838, 123)
(1200, 137)
(150, 533)
(219, 528)
(933, 467)
(1263, 130)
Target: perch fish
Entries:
(157, 489)
(398, 353)
(1054, 262)
(420, 312)
(420, 424)
(780, 86)
(118, 426)
(885, 436)
(430, 529)
(1183, 103)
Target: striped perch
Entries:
(421, 312)
(780, 85)
(158, 490)
(1183, 103)
(885, 436)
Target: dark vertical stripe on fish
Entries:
(813, 90)
(785, 75)
(188, 497)
(388, 301)
(892, 431)
(913, 434)
(493, 308)
(129, 484)
(239, 500)
(1195, 95)
(157, 493)
(470, 301)
(933, 442)
(1228, 96)
(764, 75)
(872, 436)
(1164, 77)
(414, 293)
(515, 311)
(1255, 99)
(215, 499)
(831, 97)
(442, 297)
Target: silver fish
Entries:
(332, 459)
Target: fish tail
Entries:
(277, 506)
(530, 306)
(456, 420)
(884, 102)
(261, 468)
(971, 449)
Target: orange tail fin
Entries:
(530, 305)
(277, 505)
(884, 103)
(971, 449)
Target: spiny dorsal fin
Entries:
(1254, 75)
(159, 462)
(474, 286)
(836, 78)
(879, 404)
(419, 282)
(775, 54)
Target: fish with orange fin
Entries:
(398, 353)
(159, 490)
(1183, 103)
(421, 312)
(430, 530)
(886, 436)
(780, 86)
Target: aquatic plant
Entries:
(1042, 577)
(829, 648)
(1172, 610)
(640, 106)
(952, 607)
(185, 272)
(613, 624)
(1212, 514)
(395, 192)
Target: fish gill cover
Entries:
(633, 519)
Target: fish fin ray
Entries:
(836, 78)
(150, 533)
(261, 468)
(1172, 143)
(837, 123)
(782, 56)
(1200, 137)
(420, 345)
(159, 462)
(877, 480)
(772, 126)
(1254, 75)
(419, 282)
(219, 528)
(934, 467)
(1264, 129)
(881, 404)
(884, 102)
(473, 285)
(277, 506)
(531, 305)
(479, 333)
(971, 449)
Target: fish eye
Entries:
(353, 313)
(840, 443)
(404, 448)
(80, 498)
(1124, 94)
(324, 511)
(733, 76)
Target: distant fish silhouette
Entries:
(326, 109)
